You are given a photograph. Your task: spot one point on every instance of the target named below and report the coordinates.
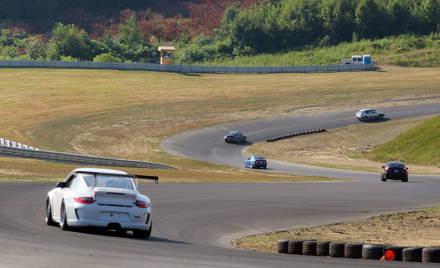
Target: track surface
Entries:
(193, 222)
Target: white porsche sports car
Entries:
(100, 198)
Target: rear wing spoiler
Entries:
(142, 177)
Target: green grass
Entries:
(404, 50)
(420, 145)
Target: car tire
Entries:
(372, 252)
(353, 250)
(336, 249)
(49, 219)
(322, 248)
(295, 247)
(405, 179)
(309, 247)
(141, 234)
(413, 254)
(382, 178)
(63, 218)
(431, 255)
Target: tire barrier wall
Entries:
(359, 250)
(77, 159)
(300, 133)
(184, 68)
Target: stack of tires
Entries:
(300, 133)
(359, 251)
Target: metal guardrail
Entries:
(77, 159)
(184, 68)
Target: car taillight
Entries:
(84, 200)
(387, 170)
(142, 204)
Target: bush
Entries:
(106, 57)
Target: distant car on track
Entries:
(394, 171)
(91, 197)
(235, 137)
(369, 114)
(255, 161)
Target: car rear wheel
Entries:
(49, 220)
(405, 179)
(382, 178)
(143, 234)
(63, 218)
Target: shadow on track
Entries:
(381, 120)
(122, 234)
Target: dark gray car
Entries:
(235, 137)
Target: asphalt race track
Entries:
(193, 222)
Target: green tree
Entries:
(371, 20)
(35, 48)
(427, 16)
(129, 32)
(69, 40)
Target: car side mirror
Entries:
(60, 184)
(383, 166)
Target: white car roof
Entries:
(363, 110)
(100, 170)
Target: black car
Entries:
(235, 137)
(395, 171)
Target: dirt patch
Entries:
(413, 228)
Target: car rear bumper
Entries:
(395, 176)
(93, 215)
(105, 224)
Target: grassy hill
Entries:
(403, 50)
(420, 145)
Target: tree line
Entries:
(282, 25)
(215, 29)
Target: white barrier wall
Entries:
(184, 68)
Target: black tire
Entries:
(353, 250)
(405, 179)
(63, 218)
(336, 249)
(283, 246)
(322, 248)
(431, 255)
(141, 234)
(412, 254)
(309, 247)
(372, 252)
(382, 178)
(295, 247)
(397, 251)
(49, 219)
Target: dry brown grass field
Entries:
(126, 114)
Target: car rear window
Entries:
(109, 181)
(396, 165)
